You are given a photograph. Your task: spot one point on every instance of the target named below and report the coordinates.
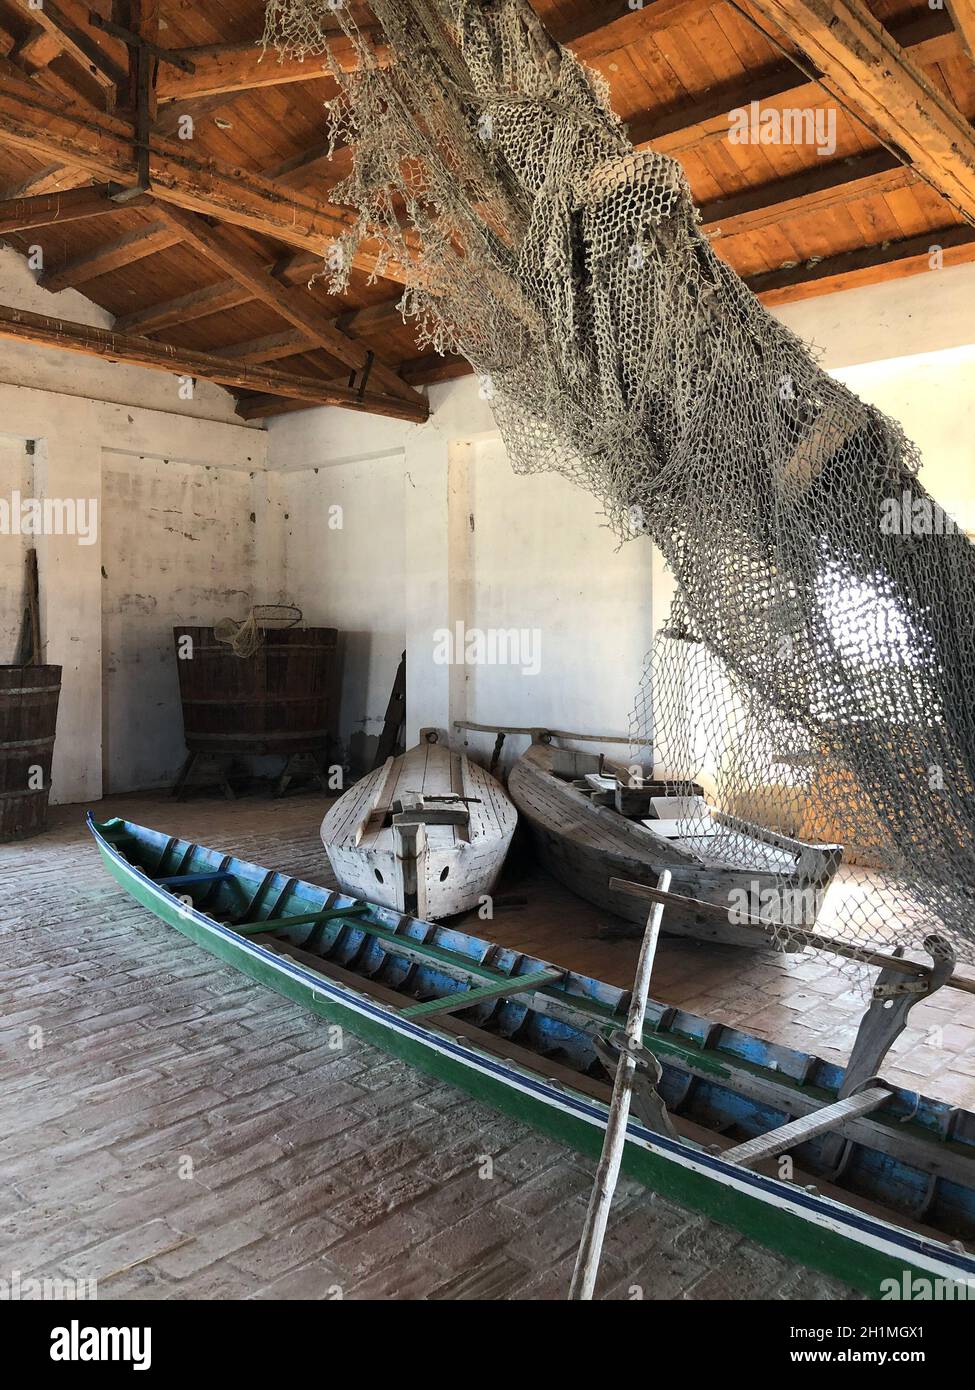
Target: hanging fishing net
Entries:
(817, 671)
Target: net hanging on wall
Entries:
(817, 672)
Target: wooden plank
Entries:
(50, 209)
(466, 998)
(45, 331)
(597, 29)
(868, 70)
(796, 1132)
(132, 246)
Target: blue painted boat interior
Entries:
(727, 1100)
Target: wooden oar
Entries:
(608, 1171)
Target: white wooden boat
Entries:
(427, 833)
(584, 844)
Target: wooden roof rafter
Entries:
(870, 72)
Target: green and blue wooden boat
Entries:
(886, 1202)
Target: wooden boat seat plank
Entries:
(193, 880)
(302, 919)
(796, 1132)
(502, 989)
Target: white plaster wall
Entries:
(179, 545)
(74, 437)
(469, 541)
(344, 550)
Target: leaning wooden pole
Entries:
(608, 1171)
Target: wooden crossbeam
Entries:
(867, 265)
(271, 348)
(220, 247)
(193, 880)
(132, 246)
(46, 331)
(304, 919)
(48, 209)
(237, 67)
(500, 989)
(796, 1132)
(185, 308)
(868, 70)
(815, 190)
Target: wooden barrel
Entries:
(283, 699)
(28, 717)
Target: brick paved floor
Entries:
(182, 1132)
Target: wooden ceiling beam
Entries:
(868, 70)
(261, 407)
(242, 265)
(930, 39)
(132, 246)
(239, 67)
(31, 121)
(45, 331)
(271, 348)
(866, 265)
(815, 190)
(48, 209)
(185, 308)
(963, 17)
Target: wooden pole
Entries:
(34, 608)
(608, 1171)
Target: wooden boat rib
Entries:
(584, 845)
(901, 1199)
(426, 833)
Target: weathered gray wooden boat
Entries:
(585, 844)
(427, 833)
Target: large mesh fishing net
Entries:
(817, 670)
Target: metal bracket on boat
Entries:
(894, 995)
(647, 1104)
